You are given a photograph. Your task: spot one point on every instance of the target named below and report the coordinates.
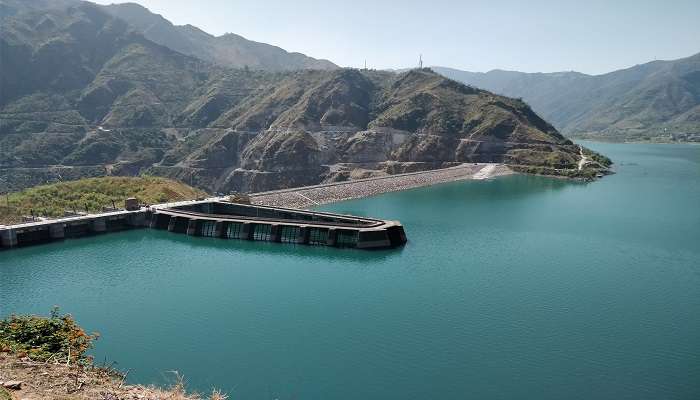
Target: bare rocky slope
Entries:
(84, 94)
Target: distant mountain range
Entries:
(85, 93)
(657, 101)
(228, 50)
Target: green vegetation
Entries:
(92, 194)
(546, 159)
(57, 337)
(602, 160)
(587, 173)
(46, 353)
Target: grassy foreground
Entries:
(91, 194)
(48, 355)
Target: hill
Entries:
(91, 194)
(85, 95)
(657, 101)
(321, 126)
(229, 50)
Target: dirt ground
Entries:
(52, 381)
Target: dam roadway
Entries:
(273, 216)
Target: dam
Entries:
(275, 216)
(218, 218)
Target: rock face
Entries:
(318, 127)
(89, 94)
(12, 385)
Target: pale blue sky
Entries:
(534, 36)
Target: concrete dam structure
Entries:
(218, 218)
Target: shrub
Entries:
(56, 337)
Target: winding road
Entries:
(583, 159)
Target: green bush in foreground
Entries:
(57, 337)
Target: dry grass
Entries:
(56, 381)
(48, 355)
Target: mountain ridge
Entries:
(89, 96)
(230, 49)
(648, 101)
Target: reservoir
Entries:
(517, 287)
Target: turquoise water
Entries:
(520, 287)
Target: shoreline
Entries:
(27, 379)
(309, 196)
(599, 140)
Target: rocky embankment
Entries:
(306, 197)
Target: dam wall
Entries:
(72, 227)
(217, 218)
(275, 224)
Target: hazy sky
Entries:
(592, 36)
